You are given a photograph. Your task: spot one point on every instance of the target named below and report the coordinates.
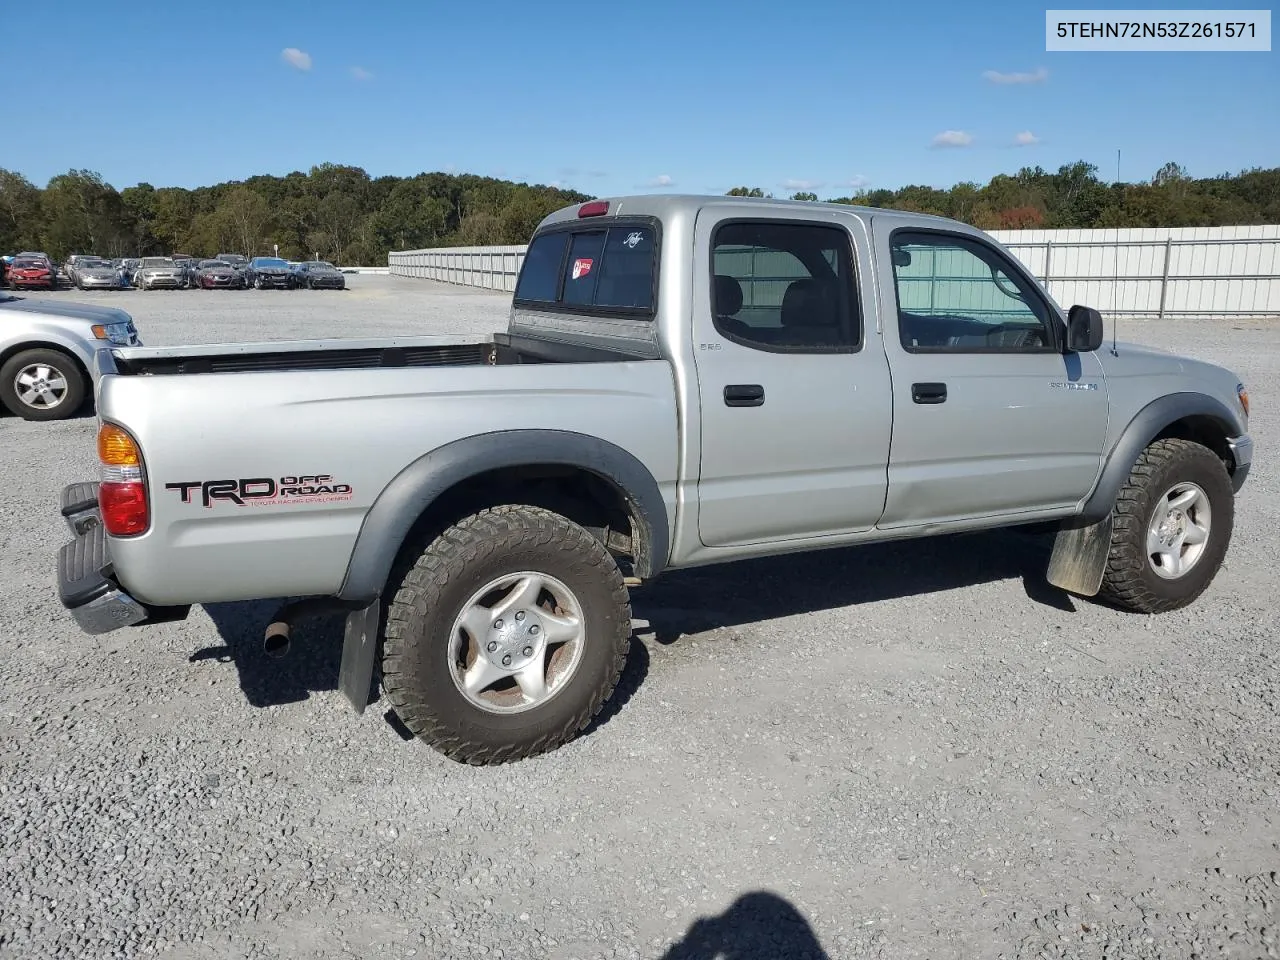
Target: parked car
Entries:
(156, 272)
(480, 523)
(237, 261)
(69, 265)
(126, 267)
(215, 273)
(96, 274)
(189, 265)
(27, 272)
(268, 272)
(47, 350)
(318, 275)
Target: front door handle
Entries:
(744, 395)
(929, 392)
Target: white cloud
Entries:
(360, 73)
(858, 181)
(296, 58)
(802, 184)
(995, 76)
(661, 180)
(953, 138)
(1026, 139)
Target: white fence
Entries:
(1138, 272)
(494, 268)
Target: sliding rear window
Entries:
(592, 268)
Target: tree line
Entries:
(346, 216)
(1075, 197)
(338, 212)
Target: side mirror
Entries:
(1084, 329)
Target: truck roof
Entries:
(668, 205)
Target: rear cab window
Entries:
(592, 268)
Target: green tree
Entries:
(20, 214)
(246, 217)
(804, 195)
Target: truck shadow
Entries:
(756, 926)
(735, 594)
(680, 603)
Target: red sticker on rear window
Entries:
(581, 267)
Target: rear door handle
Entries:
(744, 395)
(929, 392)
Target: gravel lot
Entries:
(915, 750)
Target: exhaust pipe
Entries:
(276, 640)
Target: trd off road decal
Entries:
(263, 491)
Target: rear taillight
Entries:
(122, 493)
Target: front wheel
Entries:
(505, 636)
(41, 385)
(1171, 525)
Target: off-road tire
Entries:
(428, 594)
(72, 401)
(1129, 581)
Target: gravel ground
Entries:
(915, 750)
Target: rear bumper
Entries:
(86, 580)
(1242, 454)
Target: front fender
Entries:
(46, 336)
(1140, 431)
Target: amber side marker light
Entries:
(1243, 394)
(122, 492)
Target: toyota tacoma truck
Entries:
(47, 352)
(683, 381)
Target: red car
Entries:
(26, 272)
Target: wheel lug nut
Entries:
(497, 624)
(533, 630)
(520, 615)
(493, 645)
(528, 651)
(506, 661)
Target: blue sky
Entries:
(616, 98)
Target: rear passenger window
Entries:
(785, 287)
(593, 269)
(541, 271)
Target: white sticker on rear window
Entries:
(633, 239)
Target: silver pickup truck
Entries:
(683, 381)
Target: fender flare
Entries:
(417, 486)
(1140, 431)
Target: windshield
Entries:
(269, 262)
(92, 264)
(319, 265)
(211, 263)
(156, 262)
(28, 264)
(231, 258)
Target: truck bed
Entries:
(355, 354)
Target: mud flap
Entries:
(1080, 558)
(359, 651)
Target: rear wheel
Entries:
(1171, 526)
(506, 635)
(41, 385)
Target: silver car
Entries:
(92, 273)
(160, 272)
(47, 351)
